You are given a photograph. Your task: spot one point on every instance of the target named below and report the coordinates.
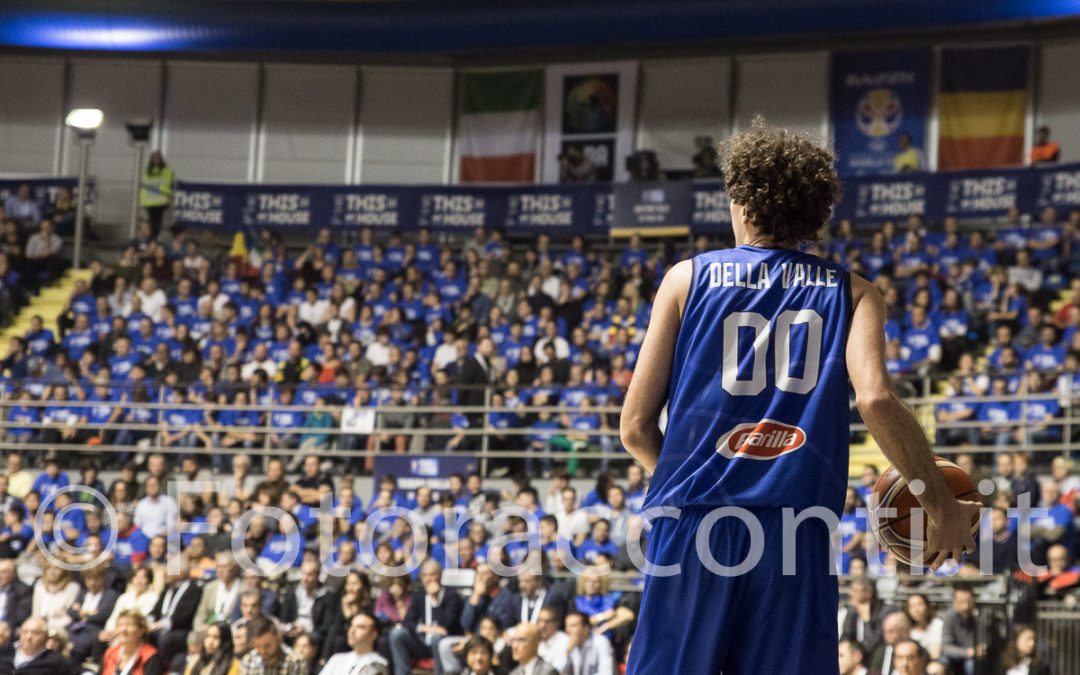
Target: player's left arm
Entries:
(639, 426)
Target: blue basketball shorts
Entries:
(757, 623)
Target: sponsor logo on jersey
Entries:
(767, 439)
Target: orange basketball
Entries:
(894, 530)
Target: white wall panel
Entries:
(123, 90)
(1059, 97)
(790, 90)
(31, 112)
(308, 111)
(682, 99)
(210, 113)
(405, 119)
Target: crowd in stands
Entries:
(272, 349)
(395, 321)
(31, 246)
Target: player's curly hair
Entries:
(786, 182)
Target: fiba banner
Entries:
(876, 97)
(657, 209)
(589, 127)
(416, 471)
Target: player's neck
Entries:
(760, 241)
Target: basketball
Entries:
(895, 530)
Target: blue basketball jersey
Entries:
(758, 399)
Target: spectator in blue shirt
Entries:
(1049, 355)
(52, 480)
(40, 341)
(286, 421)
(599, 543)
(921, 343)
(1039, 413)
(182, 427)
(955, 409)
(1054, 528)
(24, 414)
(1000, 417)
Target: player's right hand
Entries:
(951, 538)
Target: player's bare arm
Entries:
(897, 431)
(639, 426)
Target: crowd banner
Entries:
(876, 97)
(44, 189)
(589, 111)
(666, 208)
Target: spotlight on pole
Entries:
(85, 121)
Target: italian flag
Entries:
(499, 125)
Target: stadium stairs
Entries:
(48, 303)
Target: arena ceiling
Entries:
(463, 28)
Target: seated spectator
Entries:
(1056, 527)
(864, 614)
(268, 653)
(173, 616)
(91, 610)
(1000, 418)
(54, 594)
(43, 253)
(216, 653)
(589, 650)
(362, 659)
(433, 614)
(17, 596)
(525, 646)
(1021, 655)
(32, 652)
(599, 543)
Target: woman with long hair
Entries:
(333, 613)
(132, 654)
(216, 656)
(1021, 656)
(54, 593)
(926, 628)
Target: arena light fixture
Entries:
(85, 119)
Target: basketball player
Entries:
(751, 349)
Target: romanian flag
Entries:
(982, 107)
(499, 125)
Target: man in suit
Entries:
(894, 629)
(174, 614)
(475, 374)
(435, 612)
(15, 596)
(91, 609)
(221, 597)
(864, 616)
(524, 605)
(590, 653)
(29, 656)
(524, 646)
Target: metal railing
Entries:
(486, 441)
